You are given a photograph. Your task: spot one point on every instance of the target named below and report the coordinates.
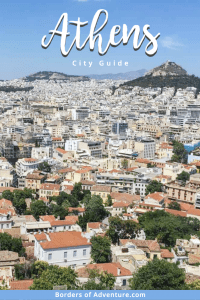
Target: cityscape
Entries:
(100, 181)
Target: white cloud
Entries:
(170, 43)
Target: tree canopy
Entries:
(154, 186)
(55, 276)
(7, 242)
(159, 275)
(183, 176)
(167, 227)
(174, 205)
(45, 167)
(101, 251)
(99, 281)
(18, 198)
(39, 208)
(95, 211)
(121, 229)
(180, 154)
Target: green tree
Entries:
(20, 206)
(58, 211)
(23, 271)
(174, 205)
(45, 167)
(101, 251)
(180, 154)
(154, 186)
(121, 229)
(38, 267)
(124, 163)
(99, 281)
(183, 176)
(55, 276)
(7, 242)
(159, 275)
(109, 201)
(95, 211)
(38, 208)
(150, 165)
(167, 227)
(8, 195)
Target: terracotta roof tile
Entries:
(64, 240)
(21, 284)
(165, 253)
(94, 225)
(101, 188)
(176, 212)
(108, 267)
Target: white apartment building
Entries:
(64, 249)
(41, 152)
(5, 221)
(26, 165)
(72, 145)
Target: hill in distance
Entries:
(47, 75)
(119, 76)
(168, 74)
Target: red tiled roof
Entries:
(94, 225)
(101, 188)
(194, 212)
(193, 258)
(87, 182)
(61, 150)
(49, 218)
(56, 139)
(30, 159)
(50, 186)
(79, 209)
(176, 212)
(124, 197)
(64, 240)
(165, 253)
(151, 244)
(121, 204)
(21, 284)
(156, 196)
(111, 268)
(142, 160)
(66, 170)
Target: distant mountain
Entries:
(168, 74)
(119, 76)
(46, 75)
(168, 68)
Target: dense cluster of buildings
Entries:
(113, 140)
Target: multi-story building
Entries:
(68, 248)
(146, 148)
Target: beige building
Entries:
(101, 190)
(172, 169)
(164, 150)
(48, 190)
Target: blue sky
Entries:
(24, 23)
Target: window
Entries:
(124, 282)
(84, 251)
(49, 256)
(65, 254)
(74, 253)
(155, 256)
